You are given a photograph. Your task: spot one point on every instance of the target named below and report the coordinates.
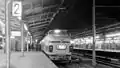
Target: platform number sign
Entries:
(17, 8)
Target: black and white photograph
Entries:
(59, 33)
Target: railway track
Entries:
(100, 60)
(109, 64)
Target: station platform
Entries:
(29, 60)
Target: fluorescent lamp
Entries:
(25, 26)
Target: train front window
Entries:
(60, 41)
(55, 41)
(65, 41)
(60, 32)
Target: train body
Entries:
(56, 44)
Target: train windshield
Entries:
(60, 41)
(58, 32)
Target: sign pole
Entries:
(7, 24)
(94, 36)
(22, 38)
(27, 43)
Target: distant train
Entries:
(56, 44)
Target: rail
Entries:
(100, 60)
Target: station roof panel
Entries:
(38, 14)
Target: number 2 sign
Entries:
(17, 8)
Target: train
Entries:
(57, 46)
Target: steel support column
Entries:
(7, 29)
(94, 36)
(27, 43)
(22, 37)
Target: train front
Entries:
(59, 46)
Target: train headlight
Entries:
(71, 48)
(61, 46)
(50, 48)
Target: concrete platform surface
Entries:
(29, 60)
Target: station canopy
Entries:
(109, 30)
(36, 14)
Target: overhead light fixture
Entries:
(57, 31)
(12, 37)
(1, 36)
(36, 40)
(72, 41)
(25, 26)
